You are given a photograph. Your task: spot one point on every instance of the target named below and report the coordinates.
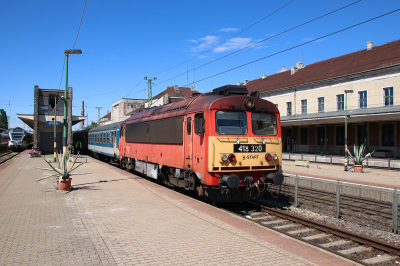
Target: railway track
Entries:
(350, 206)
(4, 157)
(361, 249)
(370, 206)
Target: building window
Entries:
(362, 134)
(289, 108)
(388, 96)
(363, 99)
(388, 135)
(304, 106)
(321, 105)
(340, 136)
(340, 102)
(321, 136)
(303, 136)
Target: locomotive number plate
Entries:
(248, 147)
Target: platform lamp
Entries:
(65, 98)
(345, 132)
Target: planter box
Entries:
(302, 163)
(383, 154)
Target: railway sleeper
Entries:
(379, 259)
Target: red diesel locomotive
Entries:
(225, 145)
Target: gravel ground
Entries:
(346, 225)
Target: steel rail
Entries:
(389, 248)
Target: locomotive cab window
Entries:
(231, 123)
(264, 124)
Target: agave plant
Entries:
(359, 157)
(62, 171)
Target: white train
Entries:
(19, 139)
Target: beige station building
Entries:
(312, 102)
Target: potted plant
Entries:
(359, 158)
(62, 172)
(34, 153)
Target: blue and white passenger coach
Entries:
(104, 140)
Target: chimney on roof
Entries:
(108, 111)
(293, 70)
(176, 88)
(238, 83)
(370, 45)
(246, 81)
(192, 88)
(299, 65)
(264, 76)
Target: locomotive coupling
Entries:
(232, 181)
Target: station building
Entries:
(312, 102)
(43, 119)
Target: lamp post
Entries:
(345, 131)
(55, 128)
(67, 53)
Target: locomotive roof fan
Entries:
(228, 90)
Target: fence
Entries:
(377, 195)
(329, 159)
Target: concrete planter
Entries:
(302, 163)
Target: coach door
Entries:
(188, 142)
(122, 132)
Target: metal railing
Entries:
(340, 189)
(388, 163)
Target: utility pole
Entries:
(150, 85)
(98, 116)
(8, 121)
(82, 114)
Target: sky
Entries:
(184, 43)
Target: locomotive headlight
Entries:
(268, 157)
(232, 157)
(249, 103)
(275, 157)
(224, 158)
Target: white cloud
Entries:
(194, 41)
(228, 29)
(233, 44)
(205, 43)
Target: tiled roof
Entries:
(379, 56)
(107, 116)
(184, 92)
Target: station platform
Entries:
(112, 217)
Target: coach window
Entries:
(189, 126)
(231, 123)
(264, 124)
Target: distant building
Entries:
(312, 101)
(42, 121)
(172, 94)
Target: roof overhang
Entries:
(389, 113)
(29, 119)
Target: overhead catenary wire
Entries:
(293, 47)
(270, 14)
(264, 40)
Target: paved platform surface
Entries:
(112, 217)
(370, 176)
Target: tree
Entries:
(3, 119)
(92, 125)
